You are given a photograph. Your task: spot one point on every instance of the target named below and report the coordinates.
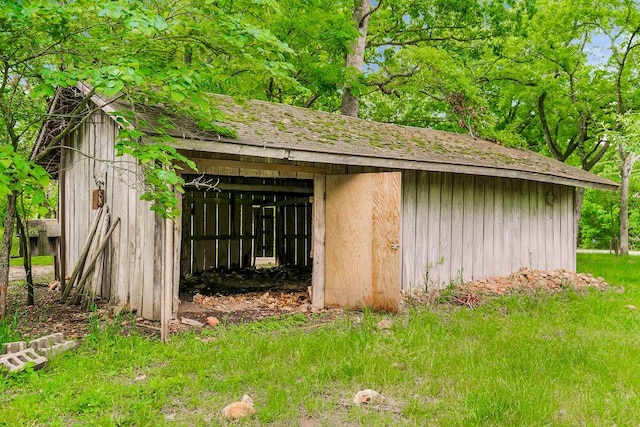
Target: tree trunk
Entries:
(579, 197)
(626, 166)
(26, 258)
(5, 253)
(355, 57)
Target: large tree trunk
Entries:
(355, 57)
(5, 254)
(626, 166)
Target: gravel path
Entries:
(39, 272)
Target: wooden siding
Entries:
(462, 227)
(219, 164)
(132, 265)
(362, 262)
(453, 226)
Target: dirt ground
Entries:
(47, 316)
(249, 295)
(227, 297)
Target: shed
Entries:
(373, 208)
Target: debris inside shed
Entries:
(245, 294)
(222, 281)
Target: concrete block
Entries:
(51, 345)
(13, 347)
(19, 360)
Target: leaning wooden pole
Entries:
(83, 256)
(92, 263)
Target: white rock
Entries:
(367, 396)
(240, 409)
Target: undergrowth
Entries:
(8, 329)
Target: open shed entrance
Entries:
(245, 235)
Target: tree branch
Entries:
(551, 144)
(369, 13)
(390, 78)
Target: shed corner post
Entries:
(318, 233)
(167, 279)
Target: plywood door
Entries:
(362, 264)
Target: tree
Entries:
(168, 53)
(318, 33)
(623, 32)
(415, 60)
(355, 57)
(550, 87)
(627, 142)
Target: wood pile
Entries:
(526, 280)
(279, 301)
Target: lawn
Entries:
(16, 260)
(563, 359)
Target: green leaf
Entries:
(177, 96)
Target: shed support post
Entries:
(318, 234)
(167, 280)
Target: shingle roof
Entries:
(266, 129)
(304, 134)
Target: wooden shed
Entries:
(373, 208)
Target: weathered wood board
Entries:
(464, 227)
(362, 257)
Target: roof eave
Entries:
(229, 146)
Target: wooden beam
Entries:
(167, 280)
(259, 150)
(296, 201)
(318, 232)
(204, 163)
(251, 202)
(258, 188)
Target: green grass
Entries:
(8, 329)
(564, 359)
(16, 260)
(36, 260)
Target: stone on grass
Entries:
(213, 321)
(240, 409)
(19, 360)
(631, 307)
(385, 323)
(51, 345)
(368, 397)
(191, 322)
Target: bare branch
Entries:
(311, 100)
(200, 183)
(369, 13)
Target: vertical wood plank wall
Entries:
(463, 227)
(133, 267)
(454, 227)
(229, 228)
